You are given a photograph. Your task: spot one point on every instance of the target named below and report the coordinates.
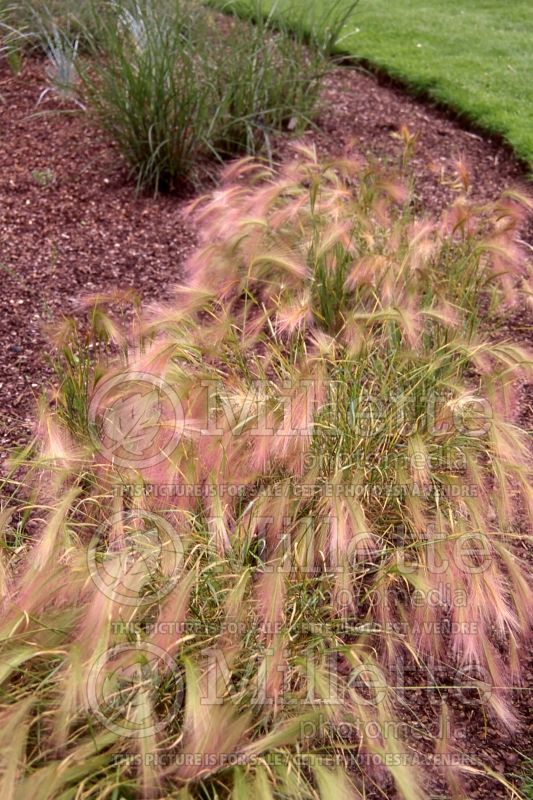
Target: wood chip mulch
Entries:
(71, 222)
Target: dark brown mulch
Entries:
(84, 231)
(361, 110)
(71, 223)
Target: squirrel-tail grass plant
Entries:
(300, 483)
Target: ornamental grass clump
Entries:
(269, 74)
(177, 84)
(300, 474)
(149, 83)
(34, 25)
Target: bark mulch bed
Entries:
(71, 224)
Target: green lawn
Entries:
(476, 56)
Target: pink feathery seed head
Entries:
(421, 242)
(220, 521)
(61, 333)
(502, 401)
(261, 454)
(395, 189)
(274, 678)
(344, 602)
(300, 401)
(425, 626)
(173, 493)
(288, 212)
(502, 710)
(94, 632)
(212, 734)
(466, 638)
(447, 313)
(493, 592)
(485, 609)
(252, 241)
(367, 270)
(291, 267)
(152, 360)
(213, 270)
(209, 209)
(293, 455)
(116, 295)
(38, 588)
(321, 345)
(509, 444)
(446, 747)
(189, 299)
(335, 209)
(389, 289)
(253, 326)
(170, 321)
(463, 174)
(394, 244)
(383, 614)
(482, 359)
(272, 523)
(520, 589)
(270, 593)
(411, 323)
(56, 443)
(244, 168)
(416, 509)
(495, 679)
(352, 162)
(507, 254)
(513, 209)
(419, 461)
(382, 210)
(456, 218)
(355, 337)
(264, 201)
(237, 449)
(227, 460)
(338, 531)
(306, 156)
(173, 615)
(333, 235)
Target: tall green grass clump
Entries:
(301, 474)
(174, 82)
(177, 83)
(270, 73)
(150, 84)
(43, 25)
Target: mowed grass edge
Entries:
(476, 58)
